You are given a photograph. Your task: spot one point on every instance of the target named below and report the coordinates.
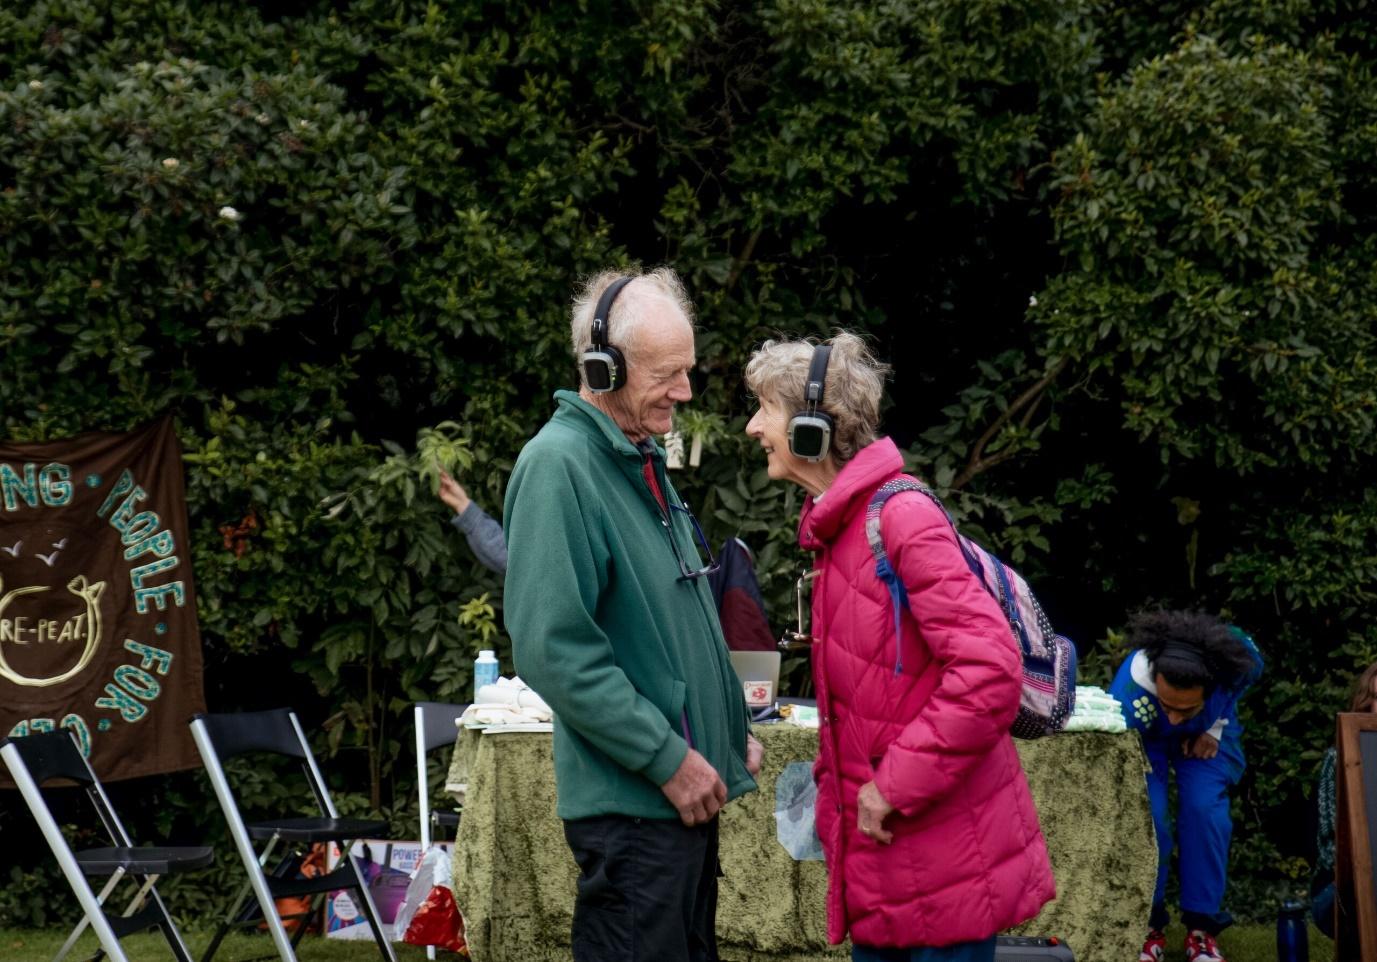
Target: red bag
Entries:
(438, 922)
(428, 914)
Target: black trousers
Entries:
(647, 890)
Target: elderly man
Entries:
(613, 624)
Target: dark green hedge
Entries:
(1120, 255)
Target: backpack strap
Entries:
(884, 569)
(898, 594)
(1010, 606)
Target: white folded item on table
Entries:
(1096, 711)
(1095, 722)
(480, 716)
(1092, 697)
(509, 702)
(512, 693)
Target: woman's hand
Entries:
(871, 809)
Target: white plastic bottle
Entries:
(484, 671)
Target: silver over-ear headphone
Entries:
(810, 430)
(604, 366)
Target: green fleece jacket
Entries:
(603, 629)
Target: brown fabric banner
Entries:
(98, 628)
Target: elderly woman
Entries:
(927, 824)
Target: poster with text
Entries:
(98, 630)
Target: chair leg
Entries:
(438, 832)
(174, 937)
(245, 908)
(435, 832)
(220, 932)
(304, 924)
(241, 903)
(85, 920)
(240, 833)
(369, 909)
(134, 905)
(145, 891)
(274, 921)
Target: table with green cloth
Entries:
(514, 876)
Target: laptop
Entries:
(759, 673)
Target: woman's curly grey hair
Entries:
(628, 310)
(851, 392)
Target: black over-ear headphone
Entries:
(810, 430)
(604, 367)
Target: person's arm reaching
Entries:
(484, 535)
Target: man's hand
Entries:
(755, 754)
(871, 810)
(695, 790)
(1203, 745)
(452, 493)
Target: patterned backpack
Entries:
(1049, 660)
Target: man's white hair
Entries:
(629, 310)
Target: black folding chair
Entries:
(221, 737)
(36, 759)
(435, 728)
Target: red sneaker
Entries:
(1155, 948)
(1200, 947)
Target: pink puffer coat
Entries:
(968, 858)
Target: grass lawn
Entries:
(1242, 943)
(40, 945)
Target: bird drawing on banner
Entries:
(13, 549)
(48, 559)
(59, 545)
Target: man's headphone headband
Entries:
(810, 430)
(604, 367)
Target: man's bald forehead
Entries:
(657, 318)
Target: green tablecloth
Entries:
(514, 876)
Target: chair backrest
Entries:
(435, 722)
(50, 755)
(235, 733)
(223, 736)
(435, 728)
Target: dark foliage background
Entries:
(1121, 256)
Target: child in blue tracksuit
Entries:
(1180, 688)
